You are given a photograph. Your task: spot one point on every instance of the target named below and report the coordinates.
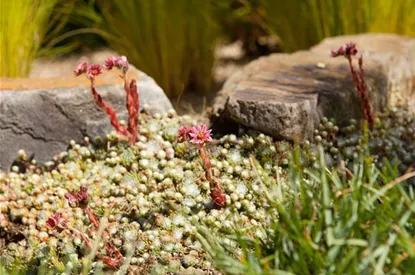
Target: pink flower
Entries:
(338, 52)
(120, 62)
(183, 134)
(199, 134)
(349, 50)
(94, 70)
(81, 69)
(110, 63)
(76, 198)
(56, 220)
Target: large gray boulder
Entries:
(41, 116)
(284, 95)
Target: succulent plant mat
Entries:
(150, 199)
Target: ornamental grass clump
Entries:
(132, 97)
(337, 221)
(173, 41)
(358, 78)
(23, 26)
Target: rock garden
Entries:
(303, 162)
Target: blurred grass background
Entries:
(23, 25)
(303, 23)
(174, 41)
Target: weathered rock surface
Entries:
(284, 95)
(41, 116)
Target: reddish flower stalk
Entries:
(110, 112)
(113, 257)
(358, 79)
(80, 199)
(132, 108)
(92, 217)
(200, 135)
(86, 240)
(132, 97)
(207, 166)
(363, 88)
(216, 193)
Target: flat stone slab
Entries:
(41, 116)
(284, 95)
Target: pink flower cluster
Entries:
(120, 62)
(349, 50)
(92, 71)
(81, 69)
(132, 97)
(196, 134)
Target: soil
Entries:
(10, 232)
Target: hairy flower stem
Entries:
(207, 166)
(110, 112)
(92, 217)
(132, 100)
(113, 257)
(216, 192)
(361, 88)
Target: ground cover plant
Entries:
(154, 198)
(168, 197)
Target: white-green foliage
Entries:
(303, 216)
